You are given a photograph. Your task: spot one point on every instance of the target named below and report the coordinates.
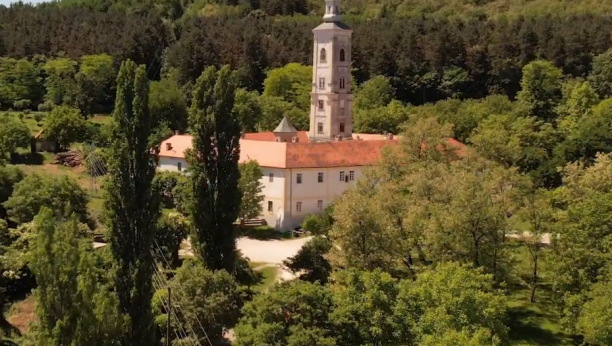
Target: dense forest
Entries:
(504, 243)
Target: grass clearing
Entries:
(535, 323)
(269, 275)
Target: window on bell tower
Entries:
(341, 83)
(321, 105)
(342, 55)
(321, 83)
(323, 55)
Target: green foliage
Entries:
(214, 172)
(19, 80)
(72, 307)
(60, 83)
(578, 105)
(594, 320)
(167, 104)
(582, 249)
(164, 183)
(273, 110)
(9, 177)
(247, 109)
(212, 297)
(251, 190)
(541, 89)
(376, 92)
(319, 224)
(22, 104)
(453, 299)
(364, 304)
(601, 75)
(310, 261)
(292, 83)
(131, 204)
(93, 84)
(65, 125)
(61, 194)
(382, 119)
(172, 229)
(13, 134)
(292, 314)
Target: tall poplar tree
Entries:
(213, 162)
(132, 207)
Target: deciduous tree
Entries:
(132, 205)
(251, 189)
(62, 195)
(541, 89)
(214, 172)
(64, 126)
(13, 134)
(72, 308)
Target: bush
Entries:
(38, 117)
(164, 183)
(45, 107)
(22, 104)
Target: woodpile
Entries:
(69, 159)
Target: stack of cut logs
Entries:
(69, 159)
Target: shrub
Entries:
(45, 107)
(22, 104)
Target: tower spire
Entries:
(332, 11)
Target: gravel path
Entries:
(270, 252)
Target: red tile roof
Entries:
(302, 154)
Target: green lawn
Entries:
(269, 275)
(535, 323)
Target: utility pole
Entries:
(169, 316)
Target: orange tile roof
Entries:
(335, 154)
(303, 154)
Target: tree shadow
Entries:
(262, 233)
(32, 159)
(536, 323)
(522, 328)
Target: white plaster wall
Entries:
(274, 191)
(310, 191)
(171, 164)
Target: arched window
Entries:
(342, 55)
(323, 56)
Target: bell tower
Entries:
(331, 97)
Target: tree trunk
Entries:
(534, 280)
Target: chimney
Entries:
(177, 132)
(294, 139)
(168, 146)
(391, 136)
(338, 138)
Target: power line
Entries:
(183, 292)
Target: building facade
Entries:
(304, 171)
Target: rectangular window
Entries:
(341, 83)
(270, 206)
(321, 105)
(341, 175)
(298, 206)
(179, 166)
(320, 177)
(351, 175)
(321, 83)
(271, 177)
(341, 127)
(320, 204)
(299, 178)
(341, 104)
(319, 127)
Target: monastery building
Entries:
(303, 171)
